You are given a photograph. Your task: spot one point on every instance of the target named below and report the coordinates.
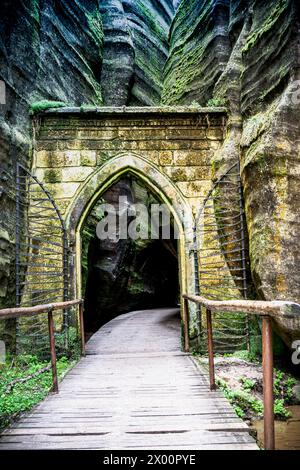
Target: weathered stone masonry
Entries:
(79, 154)
(180, 143)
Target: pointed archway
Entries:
(159, 184)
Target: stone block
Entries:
(43, 158)
(185, 133)
(151, 156)
(206, 144)
(192, 157)
(73, 144)
(132, 133)
(57, 159)
(88, 158)
(75, 174)
(166, 157)
(98, 134)
(194, 189)
(215, 133)
(63, 205)
(103, 156)
(62, 190)
(175, 144)
(48, 145)
(183, 173)
(49, 175)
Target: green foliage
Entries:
(283, 386)
(239, 411)
(247, 404)
(244, 355)
(23, 396)
(280, 411)
(42, 105)
(243, 402)
(247, 384)
(68, 345)
(255, 339)
(195, 104)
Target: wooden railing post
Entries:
(82, 334)
(186, 318)
(53, 351)
(267, 351)
(210, 347)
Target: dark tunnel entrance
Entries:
(123, 275)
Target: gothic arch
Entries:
(159, 184)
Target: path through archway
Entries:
(125, 274)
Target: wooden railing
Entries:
(19, 312)
(266, 310)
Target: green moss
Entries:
(151, 20)
(216, 102)
(35, 11)
(95, 26)
(87, 107)
(40, 106)
(52, 176)
(279, 8)
(262, 239)
(184, 68)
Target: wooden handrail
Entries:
(258, 307)
(266, 310)
(18, 312)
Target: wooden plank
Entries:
(140, 394)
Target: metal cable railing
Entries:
(41, 261)
(221, 258)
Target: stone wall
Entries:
(78, 155)
(181, 144)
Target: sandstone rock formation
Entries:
(135, 50)
(72, 52)
(244, 54)
(48, 51)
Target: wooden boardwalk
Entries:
(135, 389)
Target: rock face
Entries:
(199, 47)
(246, 54)
(48, 50)
(135, 50)
(78, 52)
